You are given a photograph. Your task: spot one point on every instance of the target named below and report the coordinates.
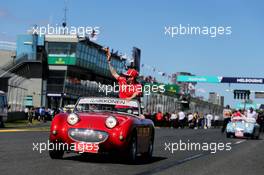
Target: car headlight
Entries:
(111, 122)
(72, 118)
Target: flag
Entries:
(93, 36)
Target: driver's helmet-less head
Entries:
(131, 73)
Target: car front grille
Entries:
(87, 135)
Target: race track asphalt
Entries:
(245, 157)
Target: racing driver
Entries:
(129, 88)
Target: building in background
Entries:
(11, 82)
(6, 56)
(76, 67)
(57, 69)
(136, 56)
(215, 98)
(222, 101)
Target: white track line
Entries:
(191, 157)
(238, 142)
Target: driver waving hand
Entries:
(129, 88)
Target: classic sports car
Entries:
(101, 125)
(243, 127)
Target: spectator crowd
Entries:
(181, 119)
(195, 120)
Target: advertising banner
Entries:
(242, 80)
(199, 79)
(219, 79)
(61, 59)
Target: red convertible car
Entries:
(102, 125)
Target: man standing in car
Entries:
(129, 88)
(252, 114)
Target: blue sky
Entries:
(124, 24)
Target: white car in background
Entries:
(3, 108)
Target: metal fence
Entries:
(160, 102)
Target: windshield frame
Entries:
(110, 98)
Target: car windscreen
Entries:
(106, 104)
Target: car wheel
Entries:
(228, 135)
(148, 155)
(132, 151)
(253, 136)
(56, 153)
(257, 134)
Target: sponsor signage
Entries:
(108, 101)
(219, 79)
(163, 88)
(171, 88)
(242, 80)
(247, 106)
(28, 101)
(53, 95)
(61, 59)
(199, 79)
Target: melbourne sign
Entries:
(243, 80)
(219, 79)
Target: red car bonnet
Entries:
(101, 116)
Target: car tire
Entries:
(56, 153)
(228, 135)
(258, 134)
(253, 136)
(148, 155)
(132, 150)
